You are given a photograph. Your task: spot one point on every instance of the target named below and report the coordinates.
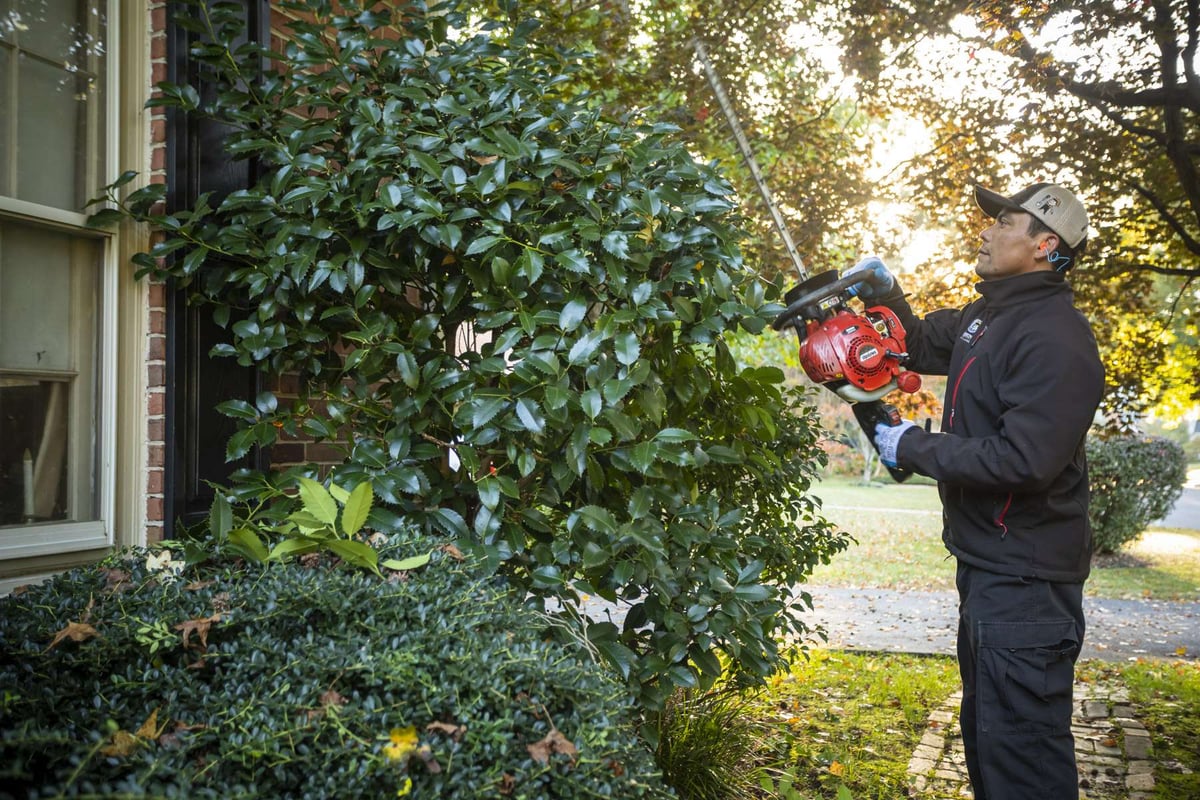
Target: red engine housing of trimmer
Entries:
(857, 355)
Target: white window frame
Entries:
(52, 538)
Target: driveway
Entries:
(926, 622)
(1186, 513)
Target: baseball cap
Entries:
(1060, 210)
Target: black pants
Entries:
(1018, 639)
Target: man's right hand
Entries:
(877, 280)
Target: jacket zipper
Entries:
(999, 520)
(1003, 512)
(954, 394)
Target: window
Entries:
(56, 279)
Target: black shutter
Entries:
(196, 434)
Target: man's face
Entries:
(1008, 249)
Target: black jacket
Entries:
(1024, 382)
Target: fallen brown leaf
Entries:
(450, 729)
(425, 753)
(75, 631)
(554, 742)
(453, 552)
(115, 580)
(507, 784)
(200, 627)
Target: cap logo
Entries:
(1047, 203)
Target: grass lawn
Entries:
(897, 528)
(848, 723)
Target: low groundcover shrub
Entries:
(301, 680)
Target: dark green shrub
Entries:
(297, 681)
(513, 314)
(1134, 480)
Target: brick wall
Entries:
(157, 325)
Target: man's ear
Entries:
(1048, 246)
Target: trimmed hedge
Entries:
(305, 680)
(1134, 480)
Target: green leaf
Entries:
(294, 546)
(358, 506)
(485, 409)
(406, 365)
(573, 261)
(591, 403)
(530, 416)
(572, 314)
(318, 501)
(249, 545)
(582, 349)
(643, 455)
(675, 436)
(220, 516)
(617, 655)
(596, 518)
(450, 521)
(616, 243)
(627, 348)
(358, 554)
(412, 562)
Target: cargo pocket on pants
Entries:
(1025, 673)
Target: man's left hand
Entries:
(887, 438)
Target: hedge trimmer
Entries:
(858, 355)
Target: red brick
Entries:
(158, 348)
(158, 321)
(158, 295)
(283, 454)
(156, 403)
(155, 429)
(325, 454)
(155, 455)
(154, 508)
(154, 482)
(155, 376)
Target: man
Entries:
(1024, 381)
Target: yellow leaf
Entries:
(1181, 651)
(150, 729)
(405, 788)
(123, 744)
(403, 743)
(837, 768)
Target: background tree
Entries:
(1104, 99)
(807, 137)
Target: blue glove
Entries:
(887, 438)
(877, 279)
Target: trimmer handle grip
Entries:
(870, 414)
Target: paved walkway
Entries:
(1112, 748)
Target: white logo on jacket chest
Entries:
(974, 329)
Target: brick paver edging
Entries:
(1111, 746)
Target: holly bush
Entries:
(513, 312)
(1134, 480)
(142, 677)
